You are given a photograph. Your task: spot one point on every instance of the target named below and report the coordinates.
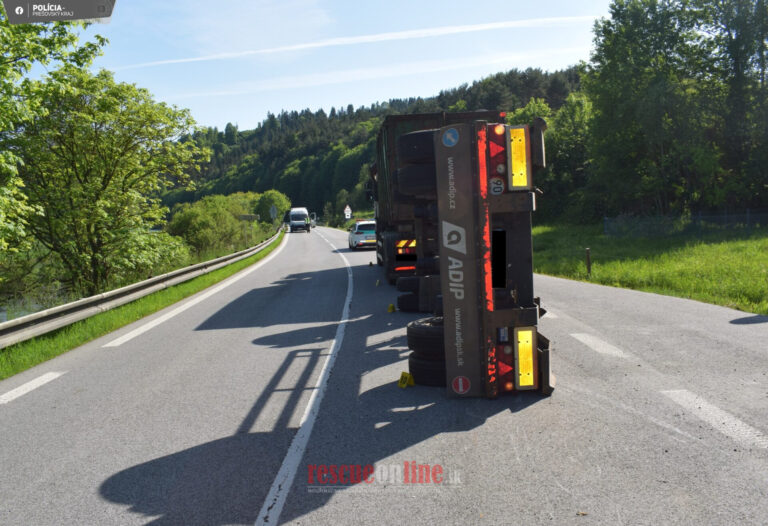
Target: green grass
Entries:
(728, 268)
(22, 356)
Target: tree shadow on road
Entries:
(750, 320)
(227, 480)
(364, 417)
(246, 310)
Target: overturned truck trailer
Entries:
(404, 194)
(485, 196)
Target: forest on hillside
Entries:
(669, 116)
(322, 160)
(101, 185)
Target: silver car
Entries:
(363, 234)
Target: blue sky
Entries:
(235, 61)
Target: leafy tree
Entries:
(567, 140)
(269, 199)
(208, 225)
(22, 46)
(230, 134)
(243, 202)
(648, 82)
(328, 213)
(738, 30)
(526, 115)
(93, 163)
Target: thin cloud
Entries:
(362, 74)
(379, 37)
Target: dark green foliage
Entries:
(679, 108)
(91, 164)
(217, 224)
(312, 157)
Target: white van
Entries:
(298, 219)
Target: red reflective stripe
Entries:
(482, 168)
(398, 269)
(492, 378)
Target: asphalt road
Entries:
(227, 411)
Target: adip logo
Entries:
(450, 137)
(454, 237)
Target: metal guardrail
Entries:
(38, 323)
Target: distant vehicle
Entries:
(363, 234)
(298, 219)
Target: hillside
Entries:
(318, 158)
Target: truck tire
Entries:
(418, 180)
(416, 147)
(429, 265)
(425, 336)
(408, 284)
(408, 302)
(427, 372)
(439, 305)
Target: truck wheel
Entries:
(416, 147)
(425, 336)
(418, 179)
(439, 305)
(408, 284)
(427, 372)
(408, 302)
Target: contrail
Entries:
(379, 37)
(357, 75)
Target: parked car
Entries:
(363, 234)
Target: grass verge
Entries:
(728, 268)
(22, 356)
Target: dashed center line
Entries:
(724, 422)
(29, 386)
(598, 345)
(275, 500)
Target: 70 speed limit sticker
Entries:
(496, 185)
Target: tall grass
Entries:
(22, 356)
(728, 268)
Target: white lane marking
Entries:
(273, 504)
(202, 297)
(724, 422)
(598, 345)
(29, 386)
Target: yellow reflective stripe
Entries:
(526, 366)
(518, 157)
